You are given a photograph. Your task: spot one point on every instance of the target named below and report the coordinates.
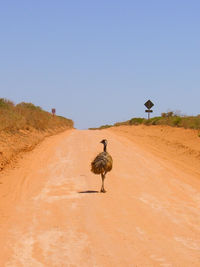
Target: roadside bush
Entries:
(136, 121)
(170, 118)
(176, 121)
(27, 116)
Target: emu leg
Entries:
(102, 187)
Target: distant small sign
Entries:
(149, 104)
(53, 110)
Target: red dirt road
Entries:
(148, 217)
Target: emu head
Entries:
(104, 142)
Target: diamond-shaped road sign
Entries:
(149, 104)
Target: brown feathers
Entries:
(102, 163)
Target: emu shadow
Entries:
(88, 192)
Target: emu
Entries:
(102, 164)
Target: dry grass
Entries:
(170, 119)
(23, 126)
(101, 127)
(26, 116)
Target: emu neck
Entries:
(104, 147)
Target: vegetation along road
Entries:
(52, 214)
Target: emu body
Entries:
(102, 164)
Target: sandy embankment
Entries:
(179, 146)
(13, 144)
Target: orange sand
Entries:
(148, 217)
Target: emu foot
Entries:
(103, 190)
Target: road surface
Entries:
(51, 214)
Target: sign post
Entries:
(149, 105)
(53, 110)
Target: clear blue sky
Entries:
(97, 62)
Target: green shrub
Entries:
(170, 118)
(5, 103)
(136, 121)
(105, 126)
(176, 121)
